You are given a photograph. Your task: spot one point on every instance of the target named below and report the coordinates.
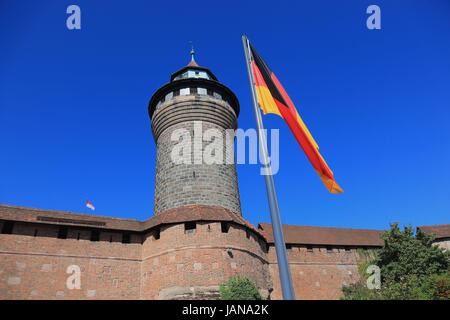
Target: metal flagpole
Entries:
(280, 246)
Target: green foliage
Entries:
(403, 254)
(411, 268)
(239, 289)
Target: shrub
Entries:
(238, 288)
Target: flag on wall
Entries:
(89, 205)
(272, 98)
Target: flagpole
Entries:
(280, 246)
(84, 212)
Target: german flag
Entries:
(273, 98)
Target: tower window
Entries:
(202, 91)
(125, 238)
(184, 91)
(225, 226)
(217, 95)
(190, 227)
(62, 233)
(8, 227)
(309, 248)
(157, 233)
(176, 92)
(95, 235)
(193, 90)
(209, 92)
(247, 233)
(329, 249)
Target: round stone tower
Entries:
(193, 118)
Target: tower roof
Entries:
(193, 71)
(192, 63)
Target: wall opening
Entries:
(125, 238)
(190, 227)
(225, 227)
(95, 235)
(62, 233)
(8, 227)
(157, 233)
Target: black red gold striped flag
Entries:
(272, 98)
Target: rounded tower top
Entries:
(193, 76)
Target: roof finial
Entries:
(192, 51)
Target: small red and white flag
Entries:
(89, 205)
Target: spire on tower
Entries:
(192, 63)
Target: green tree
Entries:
(405, 254)
(238, 288)
(411, 268)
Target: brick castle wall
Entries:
(317, 273)
(193, 264)
(34, 267)
(166, 262)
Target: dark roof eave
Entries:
(161, 92)
(78, 220)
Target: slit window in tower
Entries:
(202, 91)
(8, 227)
(95, 235)
(176, 92)
(62, 233)
(225, 226)
(184, 92)
(190, 227)
(193, 90)
(157, 233)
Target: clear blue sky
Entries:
(73, 104)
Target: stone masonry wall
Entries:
(195, 182)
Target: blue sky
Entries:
(73, 103)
